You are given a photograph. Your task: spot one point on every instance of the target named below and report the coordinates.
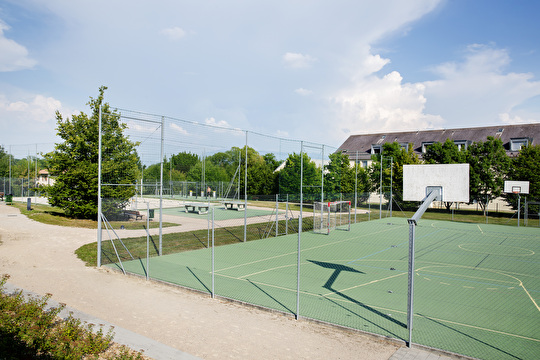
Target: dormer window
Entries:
(425, 145)
(517, 143)
(461, 144)
(376, 149)
(404, 146)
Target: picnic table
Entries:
(235, 205)
(200, 208)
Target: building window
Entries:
(404, 146)
(517, 144)
(376, 149)
(425, 145)
(461, 144)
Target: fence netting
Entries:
(230, 213)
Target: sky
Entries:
(313, 70)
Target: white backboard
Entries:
(519, 187)
(452, 178)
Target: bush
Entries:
(28, 330)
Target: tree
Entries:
(445, 153)
(394, 156)
(289, 176)
(339, 176)
(184, 161)
(526, 167)
(74, 162)
(489, 166)
(4, 162)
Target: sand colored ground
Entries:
(40, 258)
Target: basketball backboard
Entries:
(451, 179)
(516, 187)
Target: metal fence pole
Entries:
(147, 241)
(213, 256)
(297, 315)
(99, 193)
(277, 211)
(161, 187)
(245, 191)
(410, 294)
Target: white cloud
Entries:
(297, 60)
(13, 56)
(378, 104)
(39, 109)
(212, 121)
(303, 92)
(477, 90)
(174, 33)
(516, 119)
(179, 129)
(473, 92)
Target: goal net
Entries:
(328, 216)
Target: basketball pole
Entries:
(412, 230)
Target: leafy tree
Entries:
(445, 153)
(339, 176)
(4, 162)
(289, 176)
(74, 162)
(271, 161)
(184, 161)
(212, 172)
(394, 156)
(489, 166)
(526, 167)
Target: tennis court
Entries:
(477, 286)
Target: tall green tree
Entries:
(184, 161)
(445, 153)
(74, 162)
(4, 162)
(339, 176)
(489, 166)
(289, 176)
(394, 156)
(526, 167)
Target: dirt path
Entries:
(41, 258)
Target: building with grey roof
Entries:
(360, 148)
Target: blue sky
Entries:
(310, 70)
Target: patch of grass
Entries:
(55, 216)
(182, 241)
(30, 330)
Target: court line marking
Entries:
(496, 272)
(368, 283)
(306, 249)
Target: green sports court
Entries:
(477, 286)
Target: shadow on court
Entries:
(338, 268)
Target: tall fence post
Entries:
(99, 192)
(245, 191)
(297, 315)
(161, 187)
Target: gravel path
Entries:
(40, 258)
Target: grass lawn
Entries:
(55, 216)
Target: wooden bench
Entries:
(133, 214)
(235, 205)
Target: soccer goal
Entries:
(331, 215)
